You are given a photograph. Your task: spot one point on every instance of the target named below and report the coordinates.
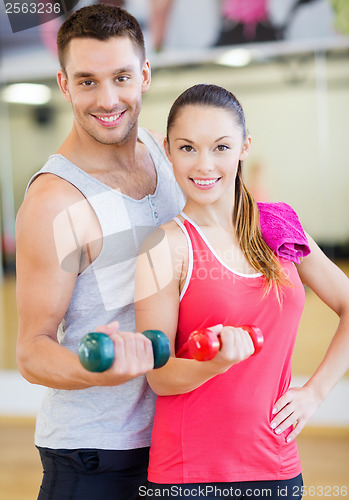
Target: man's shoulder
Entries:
(157, 137)
(55, 211)
(50, 193)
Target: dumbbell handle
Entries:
(204, 344)
(96, 350)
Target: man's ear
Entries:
(146, 75)
(62, 81)
(246, 148)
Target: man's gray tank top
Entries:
(112, 418)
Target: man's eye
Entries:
(122, 79)
(87, 83)
(186, 148)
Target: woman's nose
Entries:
(205, 163)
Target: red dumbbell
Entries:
(204, 344)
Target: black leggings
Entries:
(93, 474)
(274, 490)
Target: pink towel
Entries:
(282, 231)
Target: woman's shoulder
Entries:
(279, 215)
(282, 230)
(169, 234)
(279, 208)
(173, 232)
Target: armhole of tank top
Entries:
(86, 197)
(30, 182)
(190, 257)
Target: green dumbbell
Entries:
(96, 350)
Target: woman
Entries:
(228, 425)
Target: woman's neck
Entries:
(219, 214)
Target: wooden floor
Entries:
(20, 467)
(325, 462)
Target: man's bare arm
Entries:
(45, 288)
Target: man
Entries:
(79, 229)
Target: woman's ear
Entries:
(167, 149)
(246, 147)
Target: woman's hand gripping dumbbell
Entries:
(204, 344)
(96, 350)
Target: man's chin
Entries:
(112, 136)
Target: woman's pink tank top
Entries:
(221, 431)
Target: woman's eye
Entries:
(186, 148)
(222, 147)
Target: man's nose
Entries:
(108, 97)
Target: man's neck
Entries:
(127, 167)
(84, 151)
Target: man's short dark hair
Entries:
(102, 22)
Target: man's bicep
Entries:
(44, 288)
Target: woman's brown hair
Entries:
(245, 213)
